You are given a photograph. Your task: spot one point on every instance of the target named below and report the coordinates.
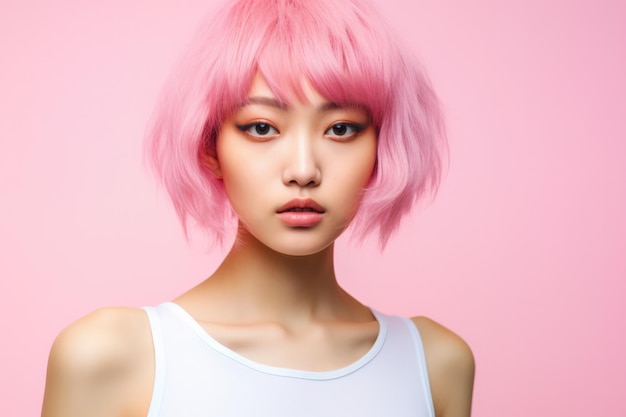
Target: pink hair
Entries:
(345, 50)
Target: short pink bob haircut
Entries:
(347, 53)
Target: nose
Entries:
(302, 162)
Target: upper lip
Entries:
(301, 203)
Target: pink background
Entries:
(522, 253)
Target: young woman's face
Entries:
(295, 172)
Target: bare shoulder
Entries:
(451, 368)
(103, 364)
(106, 337)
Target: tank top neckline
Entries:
(182, 315)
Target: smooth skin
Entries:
(275, 298)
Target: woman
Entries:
(291, 120)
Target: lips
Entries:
(301, 213)
(301, 205)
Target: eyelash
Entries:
(249, 126)
(354, 128)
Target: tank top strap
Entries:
(160, 373)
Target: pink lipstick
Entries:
(301, 212)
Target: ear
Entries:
(212, 164)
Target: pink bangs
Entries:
(336, 52)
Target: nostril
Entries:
(310, 183)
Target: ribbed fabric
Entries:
(196, 376)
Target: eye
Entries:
(258, 129)
(344, 130)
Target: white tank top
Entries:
(196, 376)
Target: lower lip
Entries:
(300, 218)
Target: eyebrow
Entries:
(272, 102)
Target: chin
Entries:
(300, 250)
(297, 243)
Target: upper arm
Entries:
(450, 365)
(97, 364)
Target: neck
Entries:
(277, 286)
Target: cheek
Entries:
(237, 185)
(245, 179)
(230, 167)
(354, 172)
(368, 164)
(362, 165)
